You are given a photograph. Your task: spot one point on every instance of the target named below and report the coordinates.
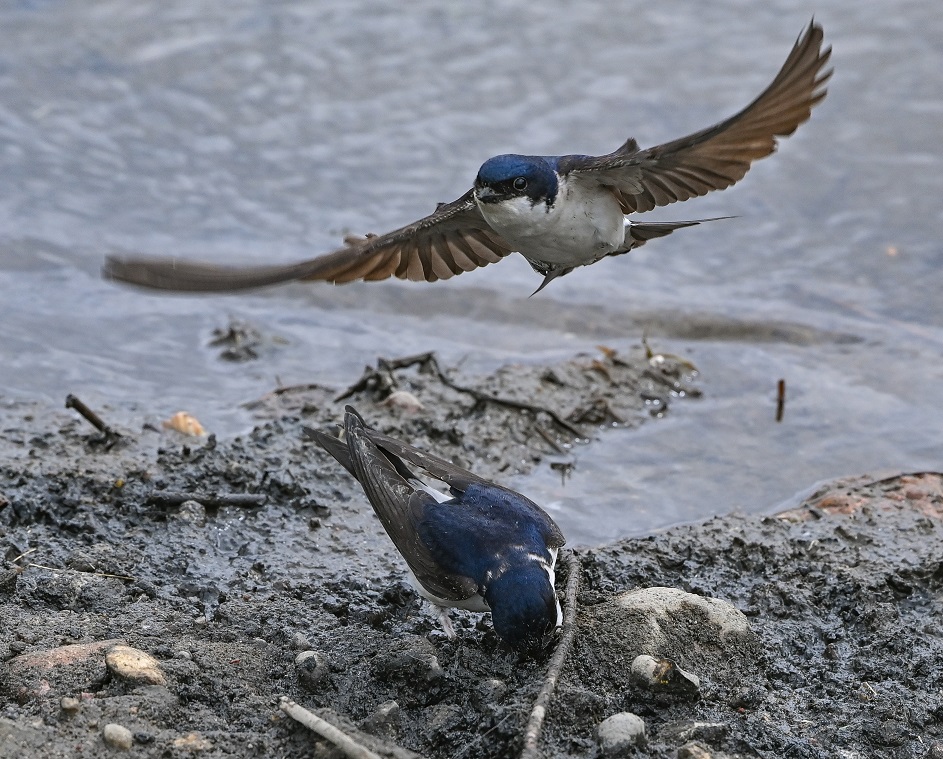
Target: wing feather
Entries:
(417, 252)
(716, 157)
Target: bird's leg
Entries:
(443, 615)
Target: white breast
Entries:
(582, 226)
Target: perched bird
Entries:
(482, 547)
(559, 212)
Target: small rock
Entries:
(312, 668)
(384, 721)
(117, 736)
(134, 666)
(620, 733)
(417, 664)
(183, 654)
(665, 676)
(74, 667)
(493, 690)
(70, 705)
(935, 751)
(192, 512)
(300, 642)
(748, 697)
(143, 737)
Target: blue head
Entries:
(524, 608)
(514, 176)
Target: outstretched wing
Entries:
(718, 156)
(453, 239)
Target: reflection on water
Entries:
(266, 131)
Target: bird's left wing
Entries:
(453, 239)
(400, 507)
(716, 157)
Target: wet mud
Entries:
(242, 570)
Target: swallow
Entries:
(480, 546)
(559, 212)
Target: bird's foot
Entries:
(443, 615)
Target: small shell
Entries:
(184, 423)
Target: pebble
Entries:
(619, 734)
(70, 705)
(183, 654)
(493, 690)
(300, 642)
(117, 736)
(416, 664)
(134, 666)
(192, 512)
(384, 721)
(935, 751)
(312, 668)
(665, 676)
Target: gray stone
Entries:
(300, 642)
(492, 690)
(313, 669)
(117, 736)
(192, 512)
(703, 635)
(70, 705)
(620, 733)
(44, 672)
(384, 722)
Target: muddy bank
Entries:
(838, 654)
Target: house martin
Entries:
(559, 212)
(480, 546)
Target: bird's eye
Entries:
(520, 183)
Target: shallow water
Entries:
(261, 131)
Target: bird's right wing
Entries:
(453, 239)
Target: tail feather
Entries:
(637, 233)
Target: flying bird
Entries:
(480, 546)
(559, 212)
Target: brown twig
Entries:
(537, 714)
(349, 746)
(215, 500)
(80, 571)
(91, 417)
(780, 399)
(382, 380)
(284, 390)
